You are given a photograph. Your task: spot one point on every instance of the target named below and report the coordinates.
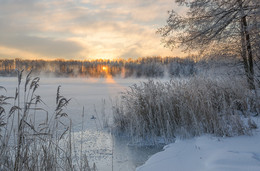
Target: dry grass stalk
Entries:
(29, 145)
(185, 108)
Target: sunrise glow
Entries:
(104, 68)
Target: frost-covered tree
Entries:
(210, 23)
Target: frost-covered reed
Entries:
(26, 143)
(185, 108)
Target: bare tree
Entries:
(213, 22)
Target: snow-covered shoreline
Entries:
(208, 153)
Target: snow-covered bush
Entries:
(184, 108)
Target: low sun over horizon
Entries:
(83, 29)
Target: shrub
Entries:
(184, 108)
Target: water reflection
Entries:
(108, 151)
(129, 157)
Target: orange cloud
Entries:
(83, 29)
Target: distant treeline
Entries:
(141, 67)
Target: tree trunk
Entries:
(246, 46)
(243, 53)
(249, 53)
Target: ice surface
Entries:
(205, 153)
(98, 144)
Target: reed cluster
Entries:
(185, 108)
(29, 144)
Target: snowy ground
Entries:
(207, 153)
(202, 153)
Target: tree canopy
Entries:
(208, 21)
(216, 22)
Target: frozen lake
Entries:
(95, 94)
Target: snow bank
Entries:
(207, 153)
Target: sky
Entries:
(83, 29)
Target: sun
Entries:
(104, 68)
